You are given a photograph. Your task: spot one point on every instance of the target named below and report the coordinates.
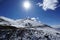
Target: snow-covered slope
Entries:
(28, 29)
(29, 34)
(6, 21)
(23, 23)
(27, 22)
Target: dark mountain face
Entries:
(1, 20)
(7, 27)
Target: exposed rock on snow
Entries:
(26, 29)
(27, 22)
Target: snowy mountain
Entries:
(26, 29)
(27, 22)
(6, 21)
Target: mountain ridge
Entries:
(26, 29)
(27, 22)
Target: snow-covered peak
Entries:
(5, 18)
(29, 22)
(26, 22)
(29, 29)
(6, 21)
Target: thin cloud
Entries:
(48, 4)
(56, 26)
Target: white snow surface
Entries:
(20, 22)
(25, 23)
(32, 25)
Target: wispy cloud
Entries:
(48, 4)
(56, 26)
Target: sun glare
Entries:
(27, 5)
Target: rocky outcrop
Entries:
(27, 34)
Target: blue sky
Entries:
(14, 9)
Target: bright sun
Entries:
(26, 4)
